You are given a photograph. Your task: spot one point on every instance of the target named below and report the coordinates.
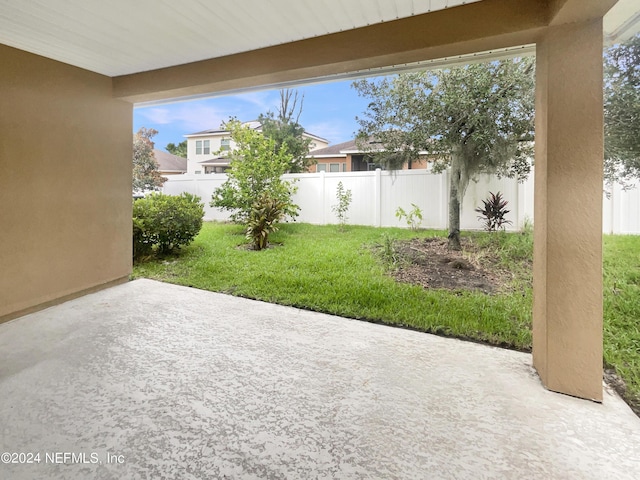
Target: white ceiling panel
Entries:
(117, 37)
(622, 21)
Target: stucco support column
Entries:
(567, 313)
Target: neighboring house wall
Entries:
(340, 163)
(201, 147)
(317, 143)
(209, 147)
(66, 229)
(348, 157)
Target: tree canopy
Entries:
(145, 167)
(283, 128)
(622, 111)
(180, 149)
(474, 119)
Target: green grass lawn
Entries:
(320, 268)
(622, 310)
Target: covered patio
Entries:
(113, 369)
(165, 381)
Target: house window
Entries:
(334, 167)
(203, 147)
(225, 144)
(198, 172)
(321, 167)
(344, 167)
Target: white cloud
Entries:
(159, 116)
(189, 116)
(334, 131)
(265, 100)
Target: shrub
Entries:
(162, 223)
(342, 207)
(142, 246)
(493, 212)
(265, 213)
(413, 218)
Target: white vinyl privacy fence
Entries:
(377, 195)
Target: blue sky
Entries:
(329, 111)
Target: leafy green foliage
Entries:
(493, 212)
(388, 251)
(142, 243)
(263, 219)
(256, 170)
(475, 118)
(162, 223)
(413, 218)
(342, 207)
(180, 149)
(283, 128)
(622, 310)
(622, 112)
(145, 167)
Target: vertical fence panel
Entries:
(626, 210)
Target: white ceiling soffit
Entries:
(119, 37)
(622, 21)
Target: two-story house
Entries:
(206, 150)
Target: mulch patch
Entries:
(428, 262)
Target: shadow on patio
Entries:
(151, 380)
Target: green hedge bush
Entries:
(163, 223)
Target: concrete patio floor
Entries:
(151, 380)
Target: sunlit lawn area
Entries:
(321, 268)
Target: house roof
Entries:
(340, 149)
(334, 150)
(217, 161)
(168, 162)
(254, 124)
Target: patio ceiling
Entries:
(120, 37)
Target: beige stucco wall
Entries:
(65, 182)
(567, 276)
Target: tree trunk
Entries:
(457, 185)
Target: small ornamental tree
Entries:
(145, 166)
(255, 173)
(342, 207)
(413, 218)
(472, 119)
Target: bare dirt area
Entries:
(428, 262)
